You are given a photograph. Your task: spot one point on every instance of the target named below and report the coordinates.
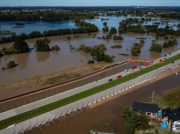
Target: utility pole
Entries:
(152, 96)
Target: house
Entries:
(172, 116)
(149, 109)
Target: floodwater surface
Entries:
(43, 63)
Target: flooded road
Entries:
(107, 117)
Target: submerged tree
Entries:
(20, 46)
(42, 45)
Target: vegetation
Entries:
(2, 32)
(156, 47)
(134, 121)
(112, 31)
(56, 47)
(91, 62)
(142, 41)
(165, 100)
(46, 15)
(84, 28)
(123, 54)
(76, 97)
(136, 49)
(105, 28)
(42, 45)
(11, 64)
(169, 43)
(117, 38)
(97, 52)
(19, 46)
(116, 46)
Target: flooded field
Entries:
(42, 63)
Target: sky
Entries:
(89, 3)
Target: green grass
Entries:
(76, 97)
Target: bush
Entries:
(11, 64)
(116, 46)
(108, 58)
(117, 38)
(56, 47)
(156, 47)
(90, 62)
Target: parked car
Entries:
(119, 76)
(110, 79)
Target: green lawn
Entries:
(68, 100)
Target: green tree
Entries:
(42, 45)
(108, 59)
(156, 47)
(113, 30)
(56, 47)
(11, 64)
(142, 41)
(20, 46)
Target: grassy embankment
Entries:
(76, 97)
(168, 99)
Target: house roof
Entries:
(138, 106)
(166, 112)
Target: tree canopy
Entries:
(20, 46)
(42, 45)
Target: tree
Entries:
(105, 23)
(11, 64)
(112, 30)
(56, 47)
(142, 41)
(108, 58)
(42, 45)
(20, 46)
(99, 52)
(156, 47)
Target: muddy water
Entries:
(107, 117)
(43, 63)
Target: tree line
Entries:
(51, 15)
(84, 28)
(20, 46)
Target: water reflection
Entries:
(42, 56)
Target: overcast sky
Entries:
(89, 2)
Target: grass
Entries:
(76, 97)
(165, 100)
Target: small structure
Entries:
(150, 109)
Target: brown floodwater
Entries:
(43, 63)
(107, 117)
